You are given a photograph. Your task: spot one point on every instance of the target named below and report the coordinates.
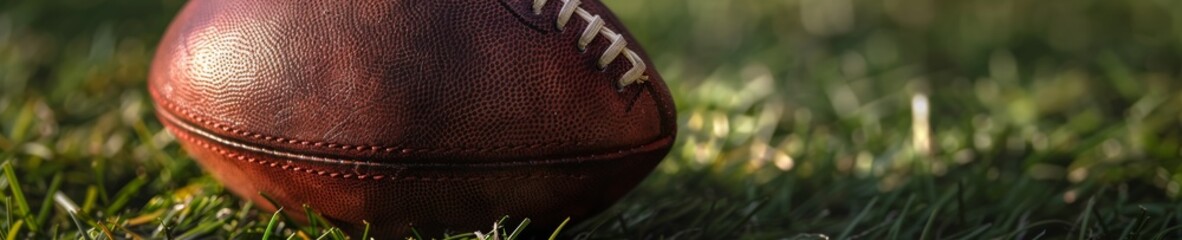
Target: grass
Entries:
(800, 119)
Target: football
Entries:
(440, 115)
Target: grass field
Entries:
(800, 119)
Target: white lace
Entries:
(594, 26)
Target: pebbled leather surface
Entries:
(310, 101)
(401, 81)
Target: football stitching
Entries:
(595, 26)
(338, 174)
(370, 148)
(178, 125)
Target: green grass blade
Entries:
(1015, 233)
(124, 195)
(927, 227)
(415, 233)
(15, 229)
(974, 234)
(1166, 222)
(71, 210)
(898, 224)
(19, 196)
(201, 230)
(325, 234)
(47, 204)
(88, 203)
(850, 228)
(365, 234)
(100, 179)
(752, 210)
(1083, 228)
(554, 235)
(338, 234)
(1140, 224)
(271, 224)
(277, 205)
(332, 233)
(8, 210)
(1162, 234)
(313, 226)
(520, 228)
(23, 123)
(467, 235)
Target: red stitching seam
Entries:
(309, 170)
(370, 148)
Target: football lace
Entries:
(595, 27)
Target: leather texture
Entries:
(443, 115)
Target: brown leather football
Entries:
(442, 115)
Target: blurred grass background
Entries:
(871, 119)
